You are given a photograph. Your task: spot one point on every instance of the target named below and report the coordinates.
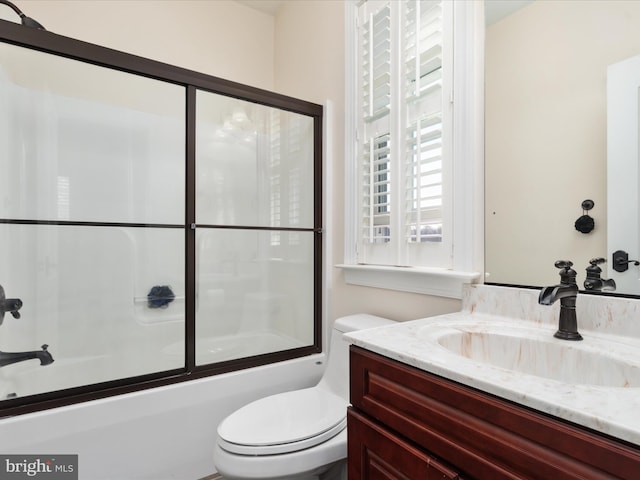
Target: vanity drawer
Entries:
(481, 435)
(375, 453)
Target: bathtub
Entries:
(239, 345)
(29, 378)
(157, 434)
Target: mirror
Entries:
(546, 142)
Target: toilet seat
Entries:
(284, 423)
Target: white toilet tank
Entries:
(336, 376)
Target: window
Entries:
(402, 159)
(403, 129)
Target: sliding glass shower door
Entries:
(255, 229)
(153, 228)
(92, 207)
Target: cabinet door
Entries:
(377, 454)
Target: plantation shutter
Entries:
(423, 140)
(376, 106)
(400, 132)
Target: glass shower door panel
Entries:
(254, 293)
(254, 164)
(80, 142)
(88, 293)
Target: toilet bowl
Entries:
(298, 435)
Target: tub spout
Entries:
(7, 358)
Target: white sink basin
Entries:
(534, 351)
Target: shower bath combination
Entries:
(103, 246)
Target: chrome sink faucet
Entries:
(567, 292)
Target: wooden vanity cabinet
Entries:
(408, 424)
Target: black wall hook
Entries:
(585, 224)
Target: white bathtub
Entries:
(239, 345)
(158, 434)
(30, 378)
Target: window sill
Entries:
(428, 281)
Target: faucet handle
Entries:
(567, 274)
(11, 305)
(566, 264)
(593, 270)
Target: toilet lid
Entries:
(284, 423)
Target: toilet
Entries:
(298, 435)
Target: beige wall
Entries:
(299, 52)
(221, 38)
(546, 130)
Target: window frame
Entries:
(467, 166)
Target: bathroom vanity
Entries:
(423, 426)
(430, 400)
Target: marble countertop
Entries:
(609, 404)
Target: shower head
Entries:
(26, 21)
